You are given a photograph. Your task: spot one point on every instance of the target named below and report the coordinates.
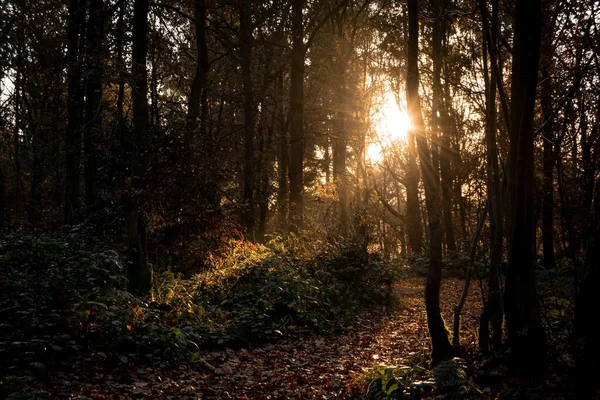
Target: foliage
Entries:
(455, 265)
(397, 382)
(63, 297)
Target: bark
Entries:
(138, 273)
(340, 139)
(492, 314)
(246, 28)
(197, 101)
(93, 98)
(413, 212)
(2, 201)
(297, 119)
(526, 336)
(120, 39)
(588, 366)
(284, 160)
(548, 140)
(74, 111)
(440, 124)
(441, 347)
(265, 167)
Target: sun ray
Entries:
(391, 125)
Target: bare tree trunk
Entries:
(548, 140)
(2, 201)
(340, 138)
(197, 101)
(413, 212)
(297, 119)
(248, 220)
(74, 111)
(588, 366)
(523, 316)
(120, 39)
(93, 97)
(138, 273)
(439, 118)
(441, 347)
(284, 160)
(492, 311)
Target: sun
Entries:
(391, 127)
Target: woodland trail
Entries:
(310, 367)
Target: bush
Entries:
(64, 297)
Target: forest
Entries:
(299, 199)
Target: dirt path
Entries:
(314, 367)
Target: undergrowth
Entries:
(64, 298)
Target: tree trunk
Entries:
(297, 119)
(441, 347)
(93, 98)
(588, 366)
(340, 137)
(138, 273)
(548, 140)
(2, 201)
(439, 119)
(413, 212)
(197, 101)
(74, 101)
(526, 336)
(120, 39)
(246, 29)
(492, 314)
(283, 162)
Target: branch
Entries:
(175, 10)
(322, 23)
(388, 206)
(492, 53)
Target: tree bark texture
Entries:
(441, 347)
(74, 111)
(296, 167)
(246, 29)
(138, 273)
(523, 317)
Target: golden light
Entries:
(391, 126)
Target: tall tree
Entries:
(74, 101)
(93, 97)
(526, 336)
(138, 273)
(296, 160)
(547, 200)
(440, 121)
(197, 100)
(441, 347)
(246, 32)
(492, 314)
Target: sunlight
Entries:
(391, 126)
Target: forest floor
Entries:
(310, 366)
(296, 367)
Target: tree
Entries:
(297, 118)
(492, 311)
(93, 98)
(440, 118)
(74, 101)
(526, 335)
(197, 101)
(138, 273)
(441, 347)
